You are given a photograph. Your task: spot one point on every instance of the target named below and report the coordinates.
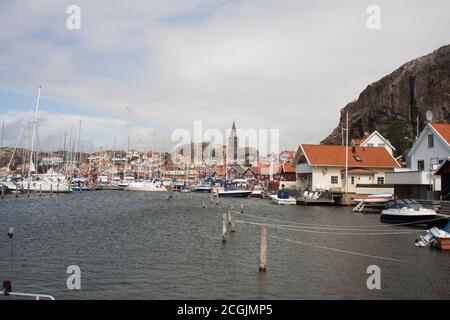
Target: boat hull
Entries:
(425, 219)
(201, 190)
(234, 194)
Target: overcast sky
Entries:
(144, 68)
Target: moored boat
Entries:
(408, 211)
(282, 198)
(257, 192)
(154, 185)
(373, 198)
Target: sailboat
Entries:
(49, 182)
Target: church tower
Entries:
(233, 144)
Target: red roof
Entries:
(333, 155)
(288, 168)
(265, 170)
(443, 129)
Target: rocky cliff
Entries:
(406, 94)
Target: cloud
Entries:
(270, 64)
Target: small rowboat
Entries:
(283, 201)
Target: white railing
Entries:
(31, 295)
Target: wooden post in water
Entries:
(217, 197)
(212, 195)
(203, 204)
(233, 220)
(229, 215)
(28, 190)
(224, 227)
(263, 249)
(57, 189)
(3, 192)
(40, 190)
(242, 207)
(51, 189)
(17, 191)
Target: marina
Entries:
(121, 242)
(237, 152)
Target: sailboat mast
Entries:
(78, 153)
(3, 133)
(34, 133)
(346, 154)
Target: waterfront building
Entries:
(418, 179)
(322, 167)
(374, 139)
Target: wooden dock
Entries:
(310, 201)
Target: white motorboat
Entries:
(257, 192)
(203, 187)
(408, 211)
(126, 182)
(283, 201)
(154, 185)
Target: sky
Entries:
(142, 69)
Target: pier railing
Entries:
(30, 295)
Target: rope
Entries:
(334, 226)
(274, 226)
(338, 250)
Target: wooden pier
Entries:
(309, 201)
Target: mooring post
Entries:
(242, 207)
(217, 197)
(57, 189)
(203, 204)
(263, 249)
(233, 220)
(51, 189)
(17, 191)
(212, 196)
(229, 215)
(40, 190)
(3, 192)
(28, 190)
(224, 227)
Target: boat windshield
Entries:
(413, 203)
(404, 203)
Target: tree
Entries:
(398, 133)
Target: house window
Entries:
(370, 144)
(352, 180)
(420, 165)
(380, 180)
(381, 144)
(430, 141)
(334, 180)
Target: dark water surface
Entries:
(141, 246)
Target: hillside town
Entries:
(371, 166)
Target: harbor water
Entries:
(143, 246)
